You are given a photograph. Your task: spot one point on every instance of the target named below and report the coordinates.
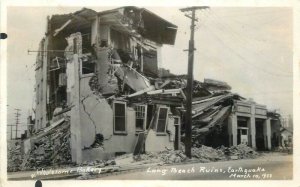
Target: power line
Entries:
(239, 37)
(214, 15)
(244, 60)
(253, 14)
(11, 130)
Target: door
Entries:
(244, 136)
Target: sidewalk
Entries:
(123, 164)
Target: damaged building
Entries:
(90, 70)
(101, 92)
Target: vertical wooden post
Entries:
(188, 122)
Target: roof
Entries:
(156, 28)
(82, 16)
(199, 107)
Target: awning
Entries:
(132, 78)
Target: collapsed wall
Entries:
(50, 149)
(14, 156)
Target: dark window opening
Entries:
(150, 114)
(88, 65)
(104, 43)
(243, 122)
(244, 132)
(162, 120)
(140, 111)
(86, 43)
(150, 64)
(119, 117)
(259, 135)
(176, 121)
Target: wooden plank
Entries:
(139, 143)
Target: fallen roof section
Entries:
(155, 28)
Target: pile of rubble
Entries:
(50, 150)
(99, 163)
(240, 151)
(148, 157)
(173, 156)
(14, 157)
(201, 154)
(207, 154)
(166, 157)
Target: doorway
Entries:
(259, 135)
(243, 130)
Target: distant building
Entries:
(252, 124)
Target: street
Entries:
(268, 167)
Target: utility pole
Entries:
(17, 120)
(188, 121)
(11, 131)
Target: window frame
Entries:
(177, 117)
(144, 119)
(166, 124)
(114, 119)
(81, 71)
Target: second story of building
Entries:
(130, 37)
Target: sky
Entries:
(249, 48)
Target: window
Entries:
(176, 120)
(87, 65)
(162, 120)
(244, 131)
(119, 117)
(140, 113)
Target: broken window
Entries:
(57, 63)
(87, 65)
(176, 120)
(140, 111)
(162, 120)
(150, 62)
(120, 40)
(119, 117)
